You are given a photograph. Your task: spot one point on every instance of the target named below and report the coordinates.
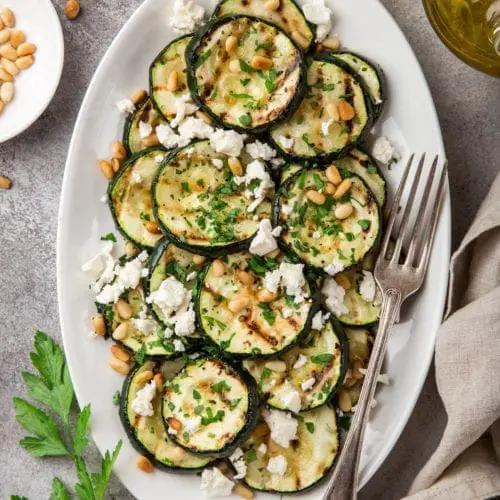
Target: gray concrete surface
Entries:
(468, 104)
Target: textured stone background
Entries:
(468, 105)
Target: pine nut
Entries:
(119, 150)
(218, 268)
(16, 38)
(124, 309)
(119, 353)
(2, 107)
(243, 491)
(152, 227)
(235, 166)
(330, 188)
(106, 169)
(173, 81)
(343, 281)
(150, 141)
(144, 377)
(5, 182)
(174, 423)
(245, 277)
(7, 17)
(260, 430)
(276, 365)
(344, 186)
(144, 464)
(203, 116)
(159, 381)
(115, 164)
(346, 111)
(25, 62)
(120, 332)
(119, 366)
(333, 112)
(138, 96)
(266, 296)
(72, 9)
(198, 259)
(10, 67)
(272, 5)
(4, 36)
(7, 92)
(344, 211)
(273, 447)
(332, 42)
(2, 25)
(316, 197)
(231, 42)
(260, 62)
(130, 249)
(238, 303)
(344, 401)
(5, 76)
(25, 49)
(333, 174)
(234, 66)
(99, 325)
(300, 38)
(223, 467)
(8, 52)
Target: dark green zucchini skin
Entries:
(344, 343)
(128, 124)
(193, 86)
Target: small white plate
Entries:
(35, 86)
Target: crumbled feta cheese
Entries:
(239, 179)
(104, 198)
(319, 320)
(187, 16)
(159, 158)
(277, 231)
(277, 162)
(263, 242)
(260, 150)
(146, 326)
(308, 384)
(218, 163)
(325, 126)
(257, 171)
(191, 424)
(136, 178)
(319, 14)
(172, 431)
(301, 361)
(178, 345)
(272, 280)
(367, 287)
(287, 312)
(282, 425)
(125, 106)
(167, 136)
(168, 333)
(228, 142)
(194, 128)
(92, 334)
(239, 463)
(289, 397)
(335, 268)
(384, 151)
(142, 403)
(191, 276)
(334, 294)
(286, 209)
(262, 449)
(145, 129)
(294, 280)
(185, 322)
(100, 268)
(382, 378)
(286, 142)
(277, 465)
(170, 296)
(184, 106)
(215, 484)
(316, 235)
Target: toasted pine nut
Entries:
(72, 9)
(333, 175)
(234, 66)
(152, 227)
(173, 81)
(120, 332)
(203, 116)
(5, 182)
(16, 38)
(106, 169)
(5, 76)
(235, 166)
(344, 186)
(343, 281)
(10, 67)
(119, 150)
(138, 96)
(223, 467)
(333, 112)
(260, 430)
(159, 381)
(124, 309)
(150, 141)
(25, 49)
(7, 92)
(9, 52)
(238, 303)
(330, 188)
(25, 62)
(266, 296)
(231, 42)
(346, 111)
(2, 107)
(276, 365)
(272, 5)
(144, 464)
(316, 197)
(218, 267)
(198, 259)
(273, 447)
(99, 325)
(2, 25)
(260, 62)
(119, 353)
(7, 17)
(115, 164)
(4, 36)
(343, 211)
(130, 249)
(300, 38)
(243, 491)
(119, 366)
(144, 377)
(245, 277)
(174, 423)
(344, 400)
(332, 42)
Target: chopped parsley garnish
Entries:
(234, 403)
(264, 45)
(108, 237)
(240, 96)
(318, 182)
(185, 436)
(171, 406)
(270, 81)
(371, 169)
(140, 354)
(251, 455)
(260, 266)
(196, 395)
(364, 224)
(268, 313)
(266, 373)
(349, 236)
(221, 386)
(322, 359)
(245, 120)
(144, 217)
(310, 427)
(202, 58)
(213, 321)
(245, 67)
(211, 418)
(185, 187)
(173, 268)
(245, 82)
(116, 398)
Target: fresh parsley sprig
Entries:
(52, 434)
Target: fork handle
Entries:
(343, 484)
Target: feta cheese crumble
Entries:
(167, 136)
(100, 268)
(335, 268)
(227, 142)
(368, 287)
(325, 126)
(142, 403)
(282, 425)
(145, 129)
(262, 449)
(308, 384)
(256, 171)
(239, 463)
(289, 397)
(334, 295)
(384, 151)
(319, 320)
(159, 158)
(292, 278)
(286, 142)
(178, 345)
(263, 242)
(260, 150)
(136, 178)
(277, 465)
(187, 16)
(301, 361)
(193, 128)
(319, 14)
(217, 163)
(125, 106)
(184, 106)
(215, 484)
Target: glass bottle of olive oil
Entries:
(470, 29)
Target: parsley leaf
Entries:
(364, 224)
(322, 359)
(59, 491)
(268, 313)
(310, 427)
(245, 67)
(202, 58)
(245, 120)
(221, 386)
(140, 355)
(116, 398)
(108, 237)
(82, 422)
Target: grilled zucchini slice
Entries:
(230, 87)
(288, 170)
(209, 408)
(170, 59)
(322, 356)
(146, 113)
(201, 208)
(288, 17)
(147, 434)
(308, 459)
(261, 326)
(311, 133)
(130, 197)
(312, 230)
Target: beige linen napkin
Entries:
(466, 463)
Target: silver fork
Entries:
(397, 282)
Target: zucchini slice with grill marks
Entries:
(260, 81)
(246, 319)
(313, 231)
(130, 197)
(147, 434)
(171, 58)
(288, 170)
(146, 113)
(315, 368)
(308, 459)
(201, 207)
(316, 131)
(288, 16)
(209, 408)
